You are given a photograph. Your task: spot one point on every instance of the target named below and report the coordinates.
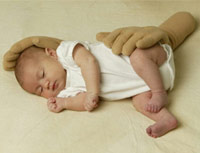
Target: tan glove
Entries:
(125, 40)
(177, 27)
(10, 58)
(173, 31)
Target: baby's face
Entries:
(44, 77)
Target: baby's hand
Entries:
(91, 101)
(56, 104)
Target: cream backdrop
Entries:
(26, 126)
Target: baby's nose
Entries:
(46, 84)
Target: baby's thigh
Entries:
(156, 53)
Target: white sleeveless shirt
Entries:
(118, 78)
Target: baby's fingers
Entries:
(87, 107)
(52, 106)
(52, 100)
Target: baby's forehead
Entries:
(30, 64)
(30, 79)
(31, 56)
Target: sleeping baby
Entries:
(78, 74)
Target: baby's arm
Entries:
(90, 71)
(91, 74)
(76, 103)
(89, 68)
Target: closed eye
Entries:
(43, 74)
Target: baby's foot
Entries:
(162, 127)
(157, 101)
(56, 105)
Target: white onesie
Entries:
(118, 79)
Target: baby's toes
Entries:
(152, 108)
(157, 109)
(148, 107)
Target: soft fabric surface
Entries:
(26, 126)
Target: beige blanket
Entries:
(26, 126)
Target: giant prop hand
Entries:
(124, 40)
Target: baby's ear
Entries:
(51, 52)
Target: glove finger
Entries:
(165, 39)
(146, 42)
(101, 35)
(130, 45)
(109, 40)
(150, 40)
(119, 42)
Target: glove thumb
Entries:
(101, 35)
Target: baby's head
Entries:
(39, 72)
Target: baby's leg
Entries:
(165, 121)
(146, 64)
